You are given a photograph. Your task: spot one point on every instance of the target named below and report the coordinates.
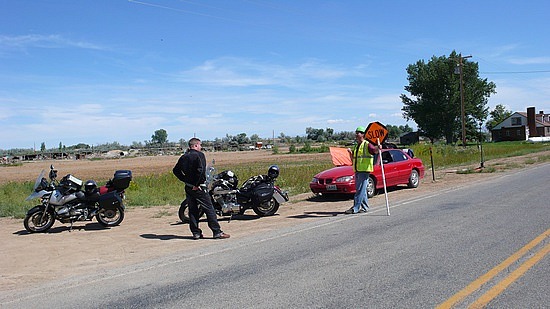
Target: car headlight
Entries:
(344, 179)
(315, 180)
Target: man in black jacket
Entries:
(191, 169)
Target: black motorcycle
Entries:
(65, 201)
(259, 193)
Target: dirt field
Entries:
(104, 169)
(147, 233)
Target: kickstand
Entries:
(71, 227)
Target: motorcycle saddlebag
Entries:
(121, 180)
(262, 193)
(109, 200)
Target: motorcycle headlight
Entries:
(344, 179)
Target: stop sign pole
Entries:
(377, 133)
(384, 179)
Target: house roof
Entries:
(539, 120)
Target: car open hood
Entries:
(336, 172)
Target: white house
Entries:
(520, 126)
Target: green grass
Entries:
(166, 189)
(449, 156)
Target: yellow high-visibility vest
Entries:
(362, 159)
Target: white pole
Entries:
(383, 178)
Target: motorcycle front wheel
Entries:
(110, 217)
(183, 212)
(268, 208)
(39, 221)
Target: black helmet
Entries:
(273, 172)
(90, 186)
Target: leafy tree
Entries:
(183, 143)
(396, 131)
(241, 139)
(110, 146)
(329, 133)
(160, 137)
(81, 146)
(319, 135)
(284, 138)
(435, 102)
(313, 134)
(393, 131)
(405, 129)
(497, 116)
(42, 147)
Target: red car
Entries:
(400, 167)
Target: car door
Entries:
(401, 165)
(390, 168)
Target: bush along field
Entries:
(166, 189)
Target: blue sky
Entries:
(115, 70)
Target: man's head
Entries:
(360, 133)
(195, 143)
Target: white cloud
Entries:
(23, 42)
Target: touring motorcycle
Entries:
(66, 201)
(259, 193)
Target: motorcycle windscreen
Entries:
(39, 180)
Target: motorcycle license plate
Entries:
(331, 188)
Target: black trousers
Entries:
(200, 199)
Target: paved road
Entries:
(487, 243)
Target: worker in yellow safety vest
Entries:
(362, 157)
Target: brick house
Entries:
(520, 126)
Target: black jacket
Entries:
(191, 168)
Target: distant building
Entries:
(520, 126)
(409, 138)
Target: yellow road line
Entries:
(501, 286)
(475, 285)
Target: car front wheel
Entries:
(371, 187)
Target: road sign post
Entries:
(377, 133)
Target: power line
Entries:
(517, 72)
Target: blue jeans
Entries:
(360, 200)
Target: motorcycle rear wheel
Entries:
(110, 217)
(38, 222)
(265, 209)
(183, 212)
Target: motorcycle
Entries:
(259, 193)
(65, 201)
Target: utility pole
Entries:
(462, 109)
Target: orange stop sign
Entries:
(376, 131)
